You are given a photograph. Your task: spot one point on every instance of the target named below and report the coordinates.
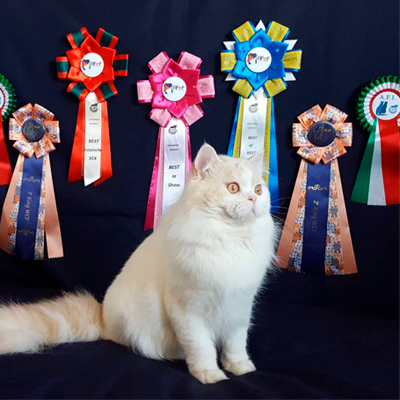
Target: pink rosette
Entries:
(175, 90)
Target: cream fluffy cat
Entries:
(189, 288)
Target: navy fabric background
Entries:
(315, 336)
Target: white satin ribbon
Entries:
(376, 193)
(92, 160)
(253, 128)
(174, 162)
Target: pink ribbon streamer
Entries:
(187, 109)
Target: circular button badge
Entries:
(174, 89)
(92, 65)
(258, 59)
(33, 130)
(386, 105)
(321, 134)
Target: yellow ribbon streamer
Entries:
(267, 137)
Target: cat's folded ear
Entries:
(205, 160)
(257, 161)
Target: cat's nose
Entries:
(252, 199)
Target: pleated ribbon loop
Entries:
(29, 211)
(91, 66)
(175, 90)
(260, 61)
(316, 237)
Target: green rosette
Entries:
(362, 107)
(362, 187)
(8, 98)
(8, 104)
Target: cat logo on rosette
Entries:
(173, 129)
(385, 105)
(258, 59)
(94, 107)
(92, 65)
(174, 88)
(321, 134)
(33, 129)
(253, 108)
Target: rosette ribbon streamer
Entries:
(260, 61)
(29, 210)
(91, 66)
(8, 104)
(316, 236)
(378, 111)
(175, 90)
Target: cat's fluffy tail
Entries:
(27, 328)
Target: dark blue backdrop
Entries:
(315, 336)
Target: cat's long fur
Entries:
(186, 291)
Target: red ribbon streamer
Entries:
(5, 167)
(390, 146)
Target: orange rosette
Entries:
(29, 211)
(316, 237)
(91, 65)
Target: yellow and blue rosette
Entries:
(260, 61)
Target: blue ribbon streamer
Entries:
(273, 180)
(29, 208)
(234, 128)
(316, 218)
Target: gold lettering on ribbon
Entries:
(322, 133)
(291, 58)
(317, 187)
(25, 232)
(31, 179)
(314, 216)
(27, 206)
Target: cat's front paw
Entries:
(210, 376)
(239, 368)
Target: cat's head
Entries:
(231, 188)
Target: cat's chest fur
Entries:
(215, 271)
(220, 257)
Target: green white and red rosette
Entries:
(378, 111)
(8, 104)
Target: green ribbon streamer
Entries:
(361, 186)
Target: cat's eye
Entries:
(258, 190)
(233, 187)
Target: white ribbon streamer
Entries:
(92, 160)
(174, 162)
(253, 128)
(376, 193)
